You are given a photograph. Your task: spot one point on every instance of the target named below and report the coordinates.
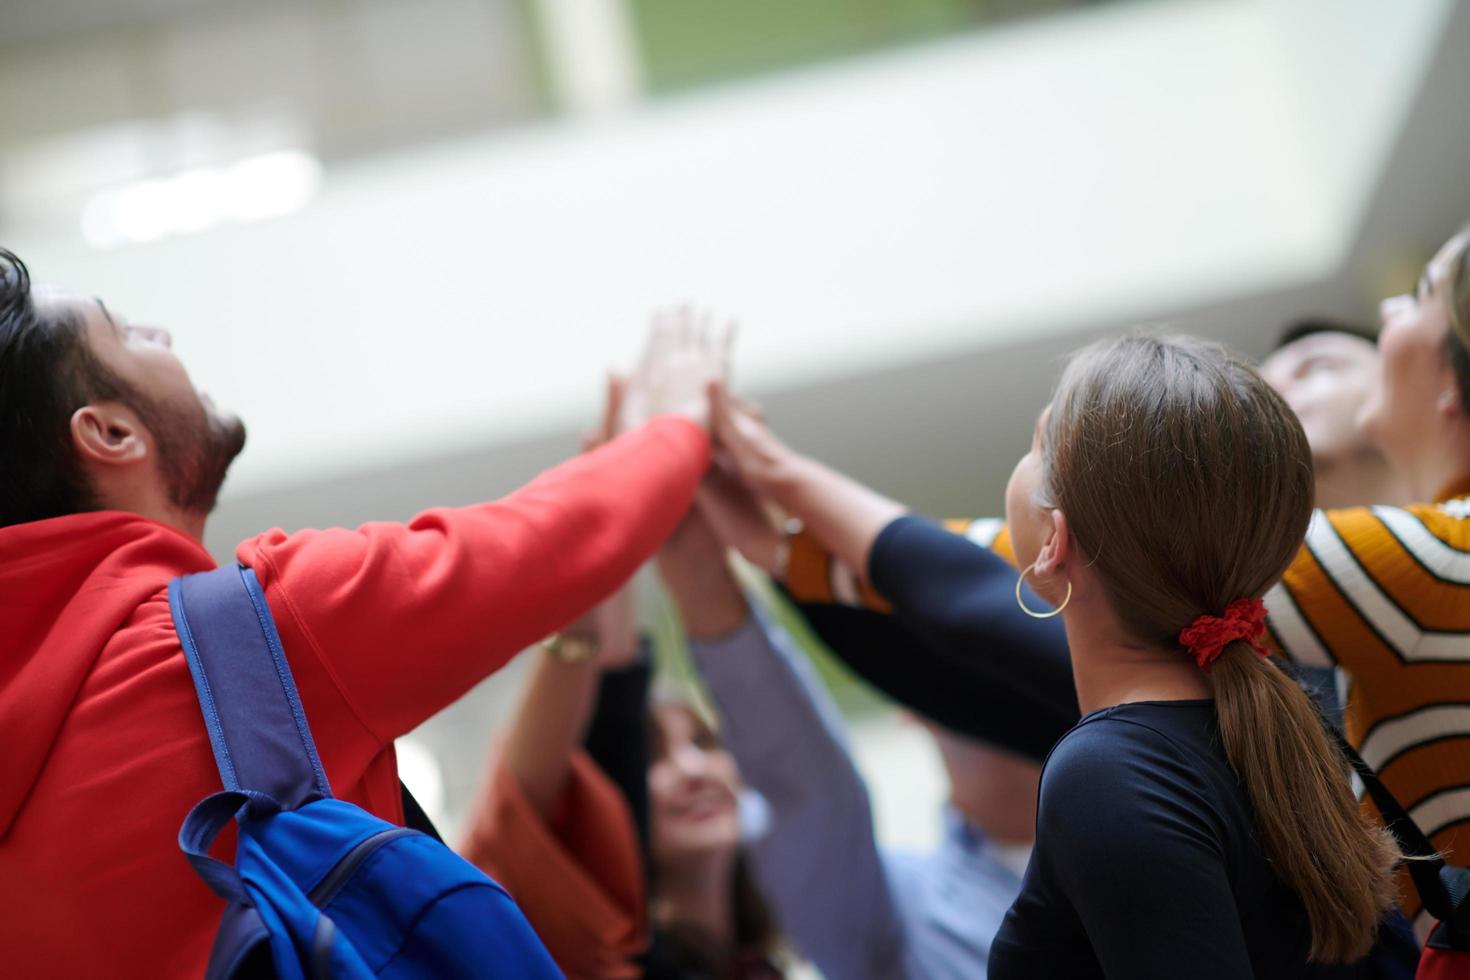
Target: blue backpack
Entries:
(320, 887)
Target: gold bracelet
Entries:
(570, 649)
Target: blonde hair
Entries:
(1187, 483)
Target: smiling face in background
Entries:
(693, 787)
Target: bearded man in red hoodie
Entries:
(110, 461)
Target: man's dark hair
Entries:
(47, 372)
(1313, 325)
(1459, 333)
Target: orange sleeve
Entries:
(809, 569)
(578, 876)
(813, 575)
(1002, 545)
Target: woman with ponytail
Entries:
(1382, 593)
(1196, 821)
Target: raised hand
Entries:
(760, 460)
(739, 519)
(683, 355)
(612, 626)
(839, 512)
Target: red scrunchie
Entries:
(1207, 636)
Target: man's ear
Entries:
(1057, 548)
(108, 433)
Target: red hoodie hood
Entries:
(66, 585)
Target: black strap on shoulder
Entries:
(1441, 887)
(1412, 840)
(414, 816)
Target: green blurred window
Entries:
(686, 43)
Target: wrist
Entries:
(571, 648)
(714, 622)
(710, 612)
(788, 478)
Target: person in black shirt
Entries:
(1196, 822)
(1147, 863)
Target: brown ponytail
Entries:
(1313, 830)
(1187, 484)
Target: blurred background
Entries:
(404, 239)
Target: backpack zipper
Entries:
(327, 888)
(321, 947)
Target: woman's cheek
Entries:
(729, 773)
(1020, 511)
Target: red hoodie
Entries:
(102, 745)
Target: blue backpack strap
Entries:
(256, 726)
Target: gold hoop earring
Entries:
(1032, 612)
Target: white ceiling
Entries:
(980, 194)
(32, 19)
(963, 195)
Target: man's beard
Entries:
(195, 449)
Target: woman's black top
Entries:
(958, 650)
(617, 733)
(1147, 862)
